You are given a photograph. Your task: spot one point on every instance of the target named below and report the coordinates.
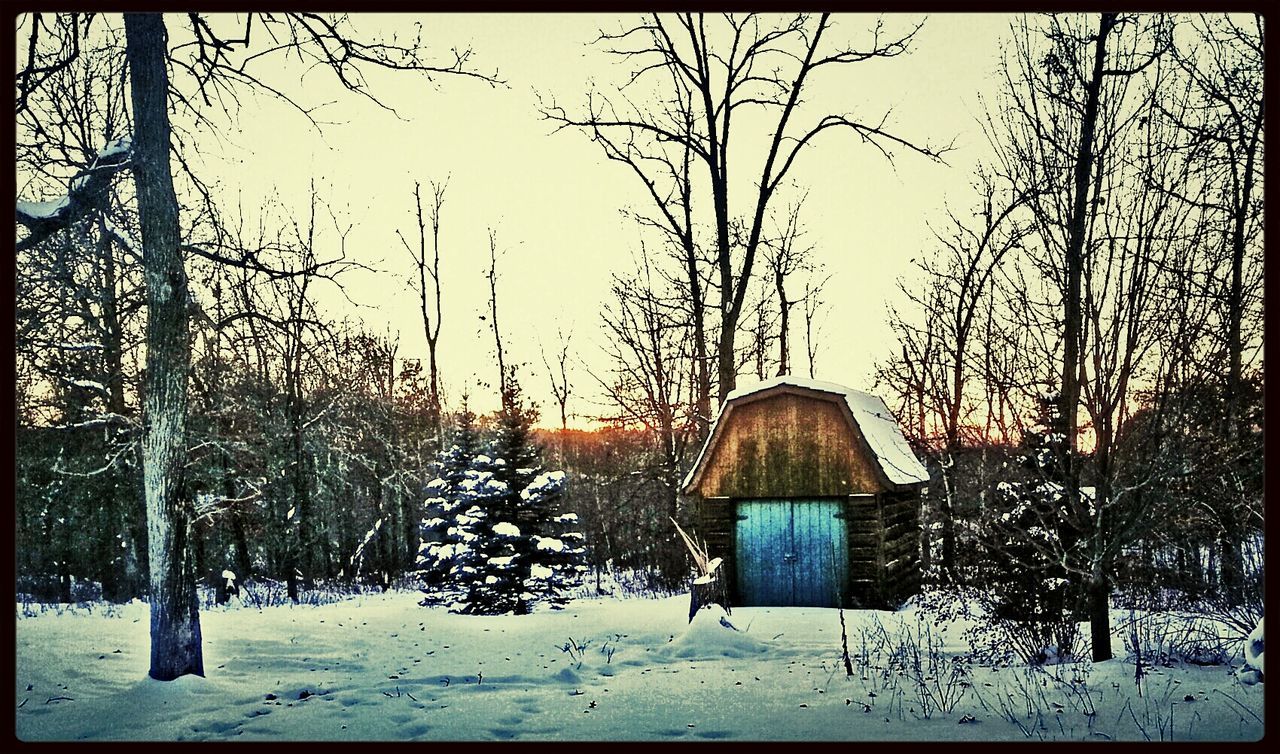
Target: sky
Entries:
(554, 200)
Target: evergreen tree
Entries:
(455, 510)
(1027, 590)
(558, 560)
(494, 541)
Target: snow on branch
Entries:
(67, 346)
(99, 420)
(120, 236)
(112, 460)
(208, 505)
(87, 190)
(359, 553)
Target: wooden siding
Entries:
(788, 445)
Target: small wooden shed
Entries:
(811, 495)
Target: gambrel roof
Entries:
(873, 419)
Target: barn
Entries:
(810, 494)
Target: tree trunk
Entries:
(1100, 617)
(784, 306)
(302, 499)
(64, 560)
(702, 395)
(493, 312)
(1232, 561)
(1235, 299)
(1072, 315)
(947, 509)
(109, 560)
(114, 579)
(175, 618)
(240, 546)
(1069, 399)
(725, 361)
(437, 421)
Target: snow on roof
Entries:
(874, 420)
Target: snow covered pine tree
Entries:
(492, 540)
(454, 512)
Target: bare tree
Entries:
(1062, 121)
(814, 304)
(785, 255)
(175, 620)
(1225, 64)
(431, 311)
(78, 290)
(559, 375)
(1222, 60)
(957, 283)
(667, 173)
(652, 373)
(210, 74)
(492, 276)
(747, 61)
(759, 325)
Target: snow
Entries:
(116, 147)
(506, 529)
(380, 667)
(43, 210)
(90, 385)
(710, 575)
(53, 208)
(712, 634)
(543, 484)
(119, 234)
(549, 543)
(1254, 647)
(874, 420)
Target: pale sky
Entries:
(555, 200)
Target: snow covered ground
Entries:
(379, 667)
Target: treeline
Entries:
(306, 434)
(309, 442)
(310, 450)
(1081, 353)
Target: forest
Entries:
(1076, 355)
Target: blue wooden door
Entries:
(791, 552)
